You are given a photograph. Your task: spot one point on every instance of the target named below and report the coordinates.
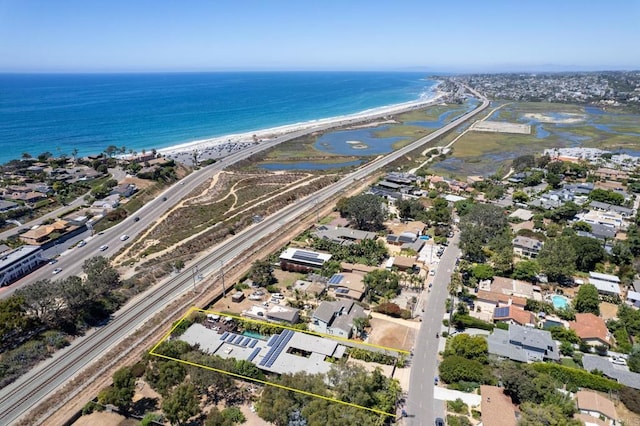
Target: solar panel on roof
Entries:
(307, 259)
(305, 253)
(272, 339)
(224, 335)
(336, 279)
(230, 337)
(238, 339)
(252, 343)
(501, 312)
(245, 342)
(342, 290)
(253, 354)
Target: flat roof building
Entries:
(19, 262)
(294, 259)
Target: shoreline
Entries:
(217, 147)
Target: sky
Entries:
(247, 35)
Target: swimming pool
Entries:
(559, 302)
(254, 335)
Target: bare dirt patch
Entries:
(100, 419)
(608, 310)
(391, 334)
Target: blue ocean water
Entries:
(88, 112)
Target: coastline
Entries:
(217, 147)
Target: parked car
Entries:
(277, 296)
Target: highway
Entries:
(421, 407)
(24, 394)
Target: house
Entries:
(591, 329)
(595, 405)
(7, 205)
(346, 285)
(336, 318)
(633, 298)
(237, 297)
(607, 285)
(497, 408)
(513, 315)
(599, 232)
(109, 202)
(608, 218)
(517, 288)
(15, 264)
(274, 313)
(341, 235)
(404, 238)
(526, 247)
(403, 263)
(42, 234)
(293, 259)
(124, 190)
(523, 344)
(611, 174)
(522, 214)
(606, 207)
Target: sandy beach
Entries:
(222, 146)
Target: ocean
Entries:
(88, 112)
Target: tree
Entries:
(364, 211)
(101, 276)
(554, 180)
(182, 404)
(261, 273)
(634, 359)
(111, 150)
(469, 347)
(526, 270)
(381, 283)
(121, 392)
(565, 212)
(482, 272)
(455, 368)
(606, 196)
(520, 197)
(557, 259)
(439, 213)
(547, 414)
(523, 162)
(410, 209)
(587, 299)
(588, 252)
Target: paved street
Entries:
(421, 406)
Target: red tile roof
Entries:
(589, 326)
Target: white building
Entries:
(19, 262)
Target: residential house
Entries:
(43, 233)
(274, 313)
(124, 190)
(599, 232)
(591, 329)
(14, 264)
(522, 289)
(608, 218)
(109, 202)
(611, 174)
(497, 408)
(293, 259)
(526, 247)
(336, 318)
(346, 285)
(7, 205)
(606, 207)
(523, 344)
(633, 298)
(596, 405)
(341, 235)
(608, 285)
(513, 315)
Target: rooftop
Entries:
(592, 401)
(589, 326)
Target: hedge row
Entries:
(574, 377)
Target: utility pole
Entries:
(224, 290)
(194, 271)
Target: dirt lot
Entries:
(608, 310)
(392, 333)
(101, 419)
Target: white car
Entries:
(57, 271)
(103, 248)
(618, 361)
(82, 243)
(432, 272)
(125, 237)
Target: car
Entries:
(164, 198)
(137, 218)
(82, 243)
(432, 272)
(439, 421)
(53, 261)
(124, 237)
(57, 271)
(618, 361)
(277, 296)
(103, 247)
(435, 380)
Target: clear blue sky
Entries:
(202, 35)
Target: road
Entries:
(421, 407)
(21, 396)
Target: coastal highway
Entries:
(421, 407)
(70, 259)
(18, 398)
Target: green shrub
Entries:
(458, 421)
(371, 356)
(457, 406)
(577, 377)
(455, 369)
(90, 407)
(461, 322)
(502, 325)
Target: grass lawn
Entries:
(568, 362)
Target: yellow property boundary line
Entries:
(277, 385)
